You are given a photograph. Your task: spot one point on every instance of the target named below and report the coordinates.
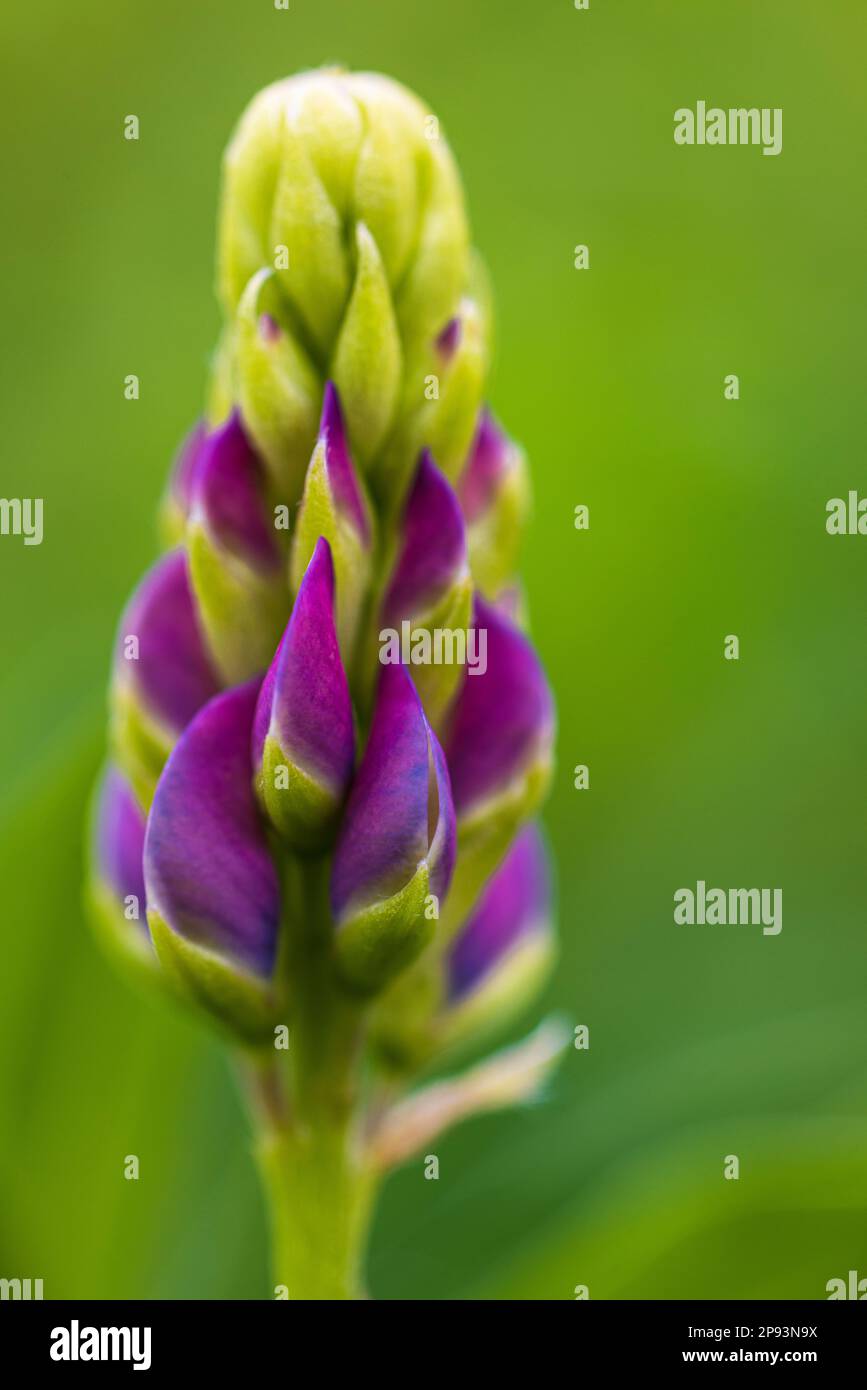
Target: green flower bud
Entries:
(439, 411)
(368, 334)
(278, 387)
(342, 186)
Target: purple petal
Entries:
(441, 823)
(228, 497)
(387, 830)
(304, 701)
(433, 552)
(448, 340)
(338, 462)
(119, 841)
(269, 328)
(503, 718)
(186, 464)
(488, 461)
(515, 904)
(172, 676)
(208, 870)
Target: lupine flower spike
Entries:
(328, 730)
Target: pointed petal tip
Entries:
(448, 339)
(228, 496)
(433, 554)
(488, 461)
(338, 461)
(269, 329)
(305, 700)
(384, 835)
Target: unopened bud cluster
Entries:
(348, 478)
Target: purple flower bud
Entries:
(235, 560)
(396, 849)
(334, 506)
(227, 498)
(502, 725)
(303, 735)
(162, 671)
(449, 338)
(212, 888)
(115, 887)
(488, 461)
(119, 833)
(342, 477)
(426, 610)
(159, 648)
(433, 554)
(175, 505)
(513, 911)
(494, 494)
(185, 465)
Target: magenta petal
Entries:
(338, 462)
(448, 340)
(304, 701)
(208, 869)
(502, 719)
(228, 497)
(386, 830)
(172, 674)
(185, 465)
(433, 551)
(119, 841)
(488, 460)
(443, 849)
(515, 903)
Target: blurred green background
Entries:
(707, 518)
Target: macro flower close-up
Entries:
(432, 744)
(329, 732)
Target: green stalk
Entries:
(318, 1186)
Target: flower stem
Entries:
(320, 1205)
(318, 1184)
